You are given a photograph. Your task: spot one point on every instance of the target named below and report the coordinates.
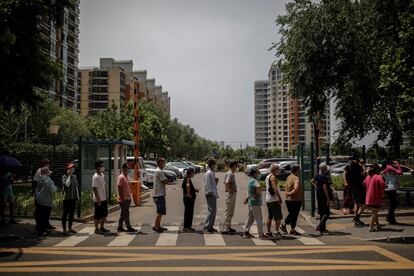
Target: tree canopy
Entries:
(26, 66)
(345, 50)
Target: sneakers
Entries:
(50, 227)
(214, 229)
(188, 230)
(231, 230)
(121, 229)
(247, 235)
(357, 222)
(104, 230)
(158, 230)
(99, 232)
(131, 230)
(208, 231)
(269, 234)
(263, 237)
(277, 235)
(283, 228)
(71, 231)
(294, 232)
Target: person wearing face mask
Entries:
(70, 197)
(254, 201)
(189, 196)
(99, 198)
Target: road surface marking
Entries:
(123, 239)
(79, 237)
(256, 240)
(168, 239)
(214, 239)
(307, 240)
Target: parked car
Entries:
(285, 169)
(170, 175)
(150, 162)
(180, 167)
(197, 168)
(338, 170)
(143, 172)
(174, 169)
(265, 163)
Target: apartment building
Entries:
(261, 109)
(287, 120)
(102, 86)
(64, 49)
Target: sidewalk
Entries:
(342, 224)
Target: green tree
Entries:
(334, 49)
(26, 66)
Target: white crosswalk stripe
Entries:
(214, 239)
(168, 239)
(256, 240)
(123, 239)
(307, 240)
(79, 237)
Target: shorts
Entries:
(275, 210)
(358, 194)
(161, 206)
(101, 212)
(8, 193)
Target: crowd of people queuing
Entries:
(363, 189)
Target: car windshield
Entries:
(178, 165)
(148, 166)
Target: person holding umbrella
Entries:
(6, 190)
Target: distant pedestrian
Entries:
(124, 199)
(254, 200)
(158, 194)
(70, 198)
(45, 189)
(99, 198)
(323, 195)
(210, 188)
(7, 179)
(231, 196)
(355, 175)
(273, 201)
(294, 200)
(35, 180)
(390, 170)
(189, 197)
(375, 187)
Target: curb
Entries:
(112, 209)
(401, 214)
(387, 239)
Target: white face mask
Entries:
(72, 170)
(102, 169)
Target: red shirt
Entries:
(375, 187)
(123, 181)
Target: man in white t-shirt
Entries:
(158, 194)
(99, 198)
(273, 201)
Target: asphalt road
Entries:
(174, 252)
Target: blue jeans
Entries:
(212, 210)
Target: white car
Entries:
(145, 178)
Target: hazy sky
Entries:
(206, 54)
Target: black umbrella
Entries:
(10, 162)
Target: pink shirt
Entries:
(390, 169)
(375, 187)
(123, 181)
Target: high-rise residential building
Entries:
(64, 49)
(287, 122)
(166, 102)
(150, 83)
(100, 87)
(261, 109)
